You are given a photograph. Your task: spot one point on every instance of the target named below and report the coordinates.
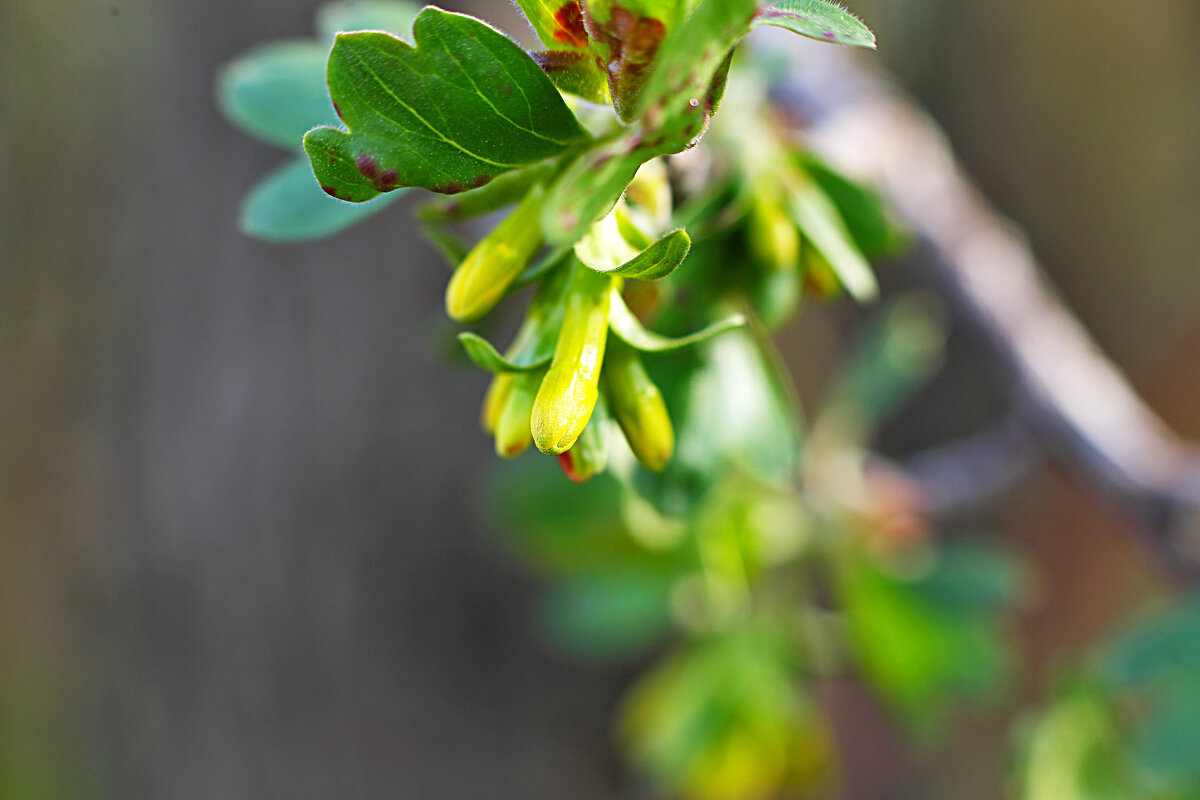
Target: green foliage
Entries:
(464, 105)
(1127, 727)
(915, 643)
(816, 19)
(287, 206)
(277, 92)
(642, 361)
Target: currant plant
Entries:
(654, 244)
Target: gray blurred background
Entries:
(241, 549)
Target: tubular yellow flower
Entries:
(589, 456)
(495, 400)
(512, 428)
(489, 269)
(637, 405)
(568, 393)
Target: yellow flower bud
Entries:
(512, 428)
(773, 238)
(568, 393)
(638, 407)
(484, 276)
(494, 400)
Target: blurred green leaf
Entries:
(723, 720)
(561, 527)
(393, 16)
(917, 654)
(823, 226)
(289, 206)
(277, 92)
(608, 616)
(1167, 743)
(816, 19)
(1074, 751)
(732, 411)
(863, 211)
(630, 330)
(971, 579)
(1159, 646)
(898, 351)
(463, 106)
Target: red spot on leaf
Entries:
(570, 30)
(366, 166)
(329, 190)
(387, 180)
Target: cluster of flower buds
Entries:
(573, 374)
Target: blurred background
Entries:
(242, 547)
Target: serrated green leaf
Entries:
(486, 356)
(463, 106)
(816, 19)
(823, 226)
(289, 206)
(631, 331)
(392, 16)
(277, 92)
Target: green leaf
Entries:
(605, 248)
(820, 222)
(816, 19)
(1168, 743)
(610, 616)
(277, 92)
(289, 206)
(1163, 643)
(590, 186)
(685, 87)
(916, 654)
(970, 579)
(864, 212)
(367, 15)
(503, 191)
(625, 325)
(486, 356)
(574, 73)
(463, 106)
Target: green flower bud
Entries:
(589, 456)
(489, 269)
(638, 407)
(568, 393)
(495, 400)
(512, 428)
(773, 238)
